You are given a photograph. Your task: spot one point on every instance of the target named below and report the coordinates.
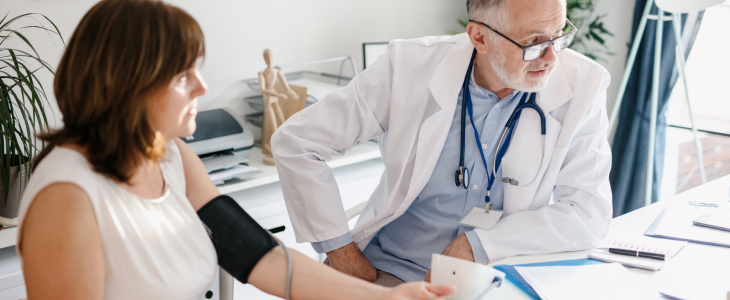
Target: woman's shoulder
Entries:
(61, 165)
(65, 162)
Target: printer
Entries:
(220, 140)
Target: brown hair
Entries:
(121, 55)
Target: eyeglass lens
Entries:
(537, 51)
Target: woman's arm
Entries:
(313, 280)
(199, 188)
(61, 246)
(310, 279)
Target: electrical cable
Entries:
(287, 289)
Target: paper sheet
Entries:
(237, 171)
(596, 282)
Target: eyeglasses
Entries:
(536, 51)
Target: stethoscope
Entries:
(462, 174)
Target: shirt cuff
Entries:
(480, 255)
(336, 243)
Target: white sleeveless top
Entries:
(153, 249)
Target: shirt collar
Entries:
(487, 93)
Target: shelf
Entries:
(366, 151)
(8, 237)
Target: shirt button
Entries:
(484, 146)
(497, 105)
(476, 187)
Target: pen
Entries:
(705, 204)
(657, 256)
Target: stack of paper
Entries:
(637, 243)
(597, 282)
(239, 171)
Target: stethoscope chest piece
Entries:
(462, 177)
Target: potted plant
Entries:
(23, 103)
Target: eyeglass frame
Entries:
(549, 42)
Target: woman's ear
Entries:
(478, 37)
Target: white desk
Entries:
(700, 267)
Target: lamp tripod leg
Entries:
(649, 186)
(680, 66)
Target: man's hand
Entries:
(459, 248)
(350, 260)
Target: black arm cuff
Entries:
(239, 241)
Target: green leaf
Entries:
(22, 96)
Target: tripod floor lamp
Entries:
(674, 8)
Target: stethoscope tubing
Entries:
(511, 127)
(462, 175)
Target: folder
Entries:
(515, 278)
(676, 224)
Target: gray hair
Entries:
(486, 11)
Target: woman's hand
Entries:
(419, 290)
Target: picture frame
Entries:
(372, 51)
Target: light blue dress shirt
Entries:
(404, 246)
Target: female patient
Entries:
(110, 211)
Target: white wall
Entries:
(237, 31)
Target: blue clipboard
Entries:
(515, 278)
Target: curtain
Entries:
(630, 144)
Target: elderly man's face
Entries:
(528, 22)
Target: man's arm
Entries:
(302, 146)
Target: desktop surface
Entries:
(699, 271)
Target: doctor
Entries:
(411, 99)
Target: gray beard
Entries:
(518, 82)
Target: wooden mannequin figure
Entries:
(272, 111)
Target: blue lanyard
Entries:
(500, 154)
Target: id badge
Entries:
(479, 219)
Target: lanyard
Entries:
(502, 150)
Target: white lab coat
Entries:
(408, 98)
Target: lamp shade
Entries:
(685, 6)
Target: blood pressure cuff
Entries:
(239, 241)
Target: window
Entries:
(708, 80)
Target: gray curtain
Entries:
(630, 144)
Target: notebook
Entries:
(639, 243)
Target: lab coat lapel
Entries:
(523, 157)
(445, 85)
